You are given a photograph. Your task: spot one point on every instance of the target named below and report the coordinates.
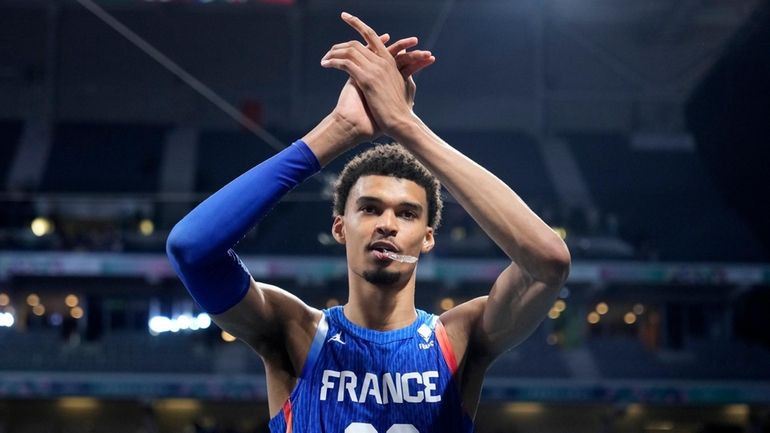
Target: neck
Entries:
(380, 308)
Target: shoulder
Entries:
(462, 324)
(462, 318)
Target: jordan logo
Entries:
(337, 338)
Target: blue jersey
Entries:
(358, 380)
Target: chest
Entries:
(408, 371)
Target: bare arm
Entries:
(525, 290)
(539, 258)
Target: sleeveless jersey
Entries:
(358, 380)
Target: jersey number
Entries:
(362, 427)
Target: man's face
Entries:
(384, 213)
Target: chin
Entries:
(382, 277)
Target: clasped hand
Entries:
(379, 95)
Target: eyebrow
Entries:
(407, 204)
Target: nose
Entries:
(387, 224)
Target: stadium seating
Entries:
(10, 131)
(664, 200)
(104, 158)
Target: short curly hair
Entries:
(389, 160)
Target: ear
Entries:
(338, 229)
(428, 241)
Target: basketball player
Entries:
(376, 364)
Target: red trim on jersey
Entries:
(446, 347)
(287, 415)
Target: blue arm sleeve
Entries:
(200, 245)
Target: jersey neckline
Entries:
(337, 315)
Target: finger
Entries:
(346, 45)
(404, 58)
(413, 68)
(385, 37)
(353, 50)
(401, 45)
(355, 53)
(345, 65)
(369, 35)
(413, 61)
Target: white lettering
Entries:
(409, 398)
(350, 386)
(409, 387)
(360, 427)
(370, 381)
(430, 386)
(402, 428)
(394, 388)
(326, 385)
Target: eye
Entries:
(408, 214)
(368, 209)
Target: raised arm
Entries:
(200, 247)
(540, 260)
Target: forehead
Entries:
(388, 189)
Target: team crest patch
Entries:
(425, 332)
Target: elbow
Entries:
(180, 248)
(191, 246)
(174, 246)
(558, 262)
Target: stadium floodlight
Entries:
(183, 322)
(203, 321)
(71, 300)
(159, 324)
(6, 320)
(146, 227)
(41, 226)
